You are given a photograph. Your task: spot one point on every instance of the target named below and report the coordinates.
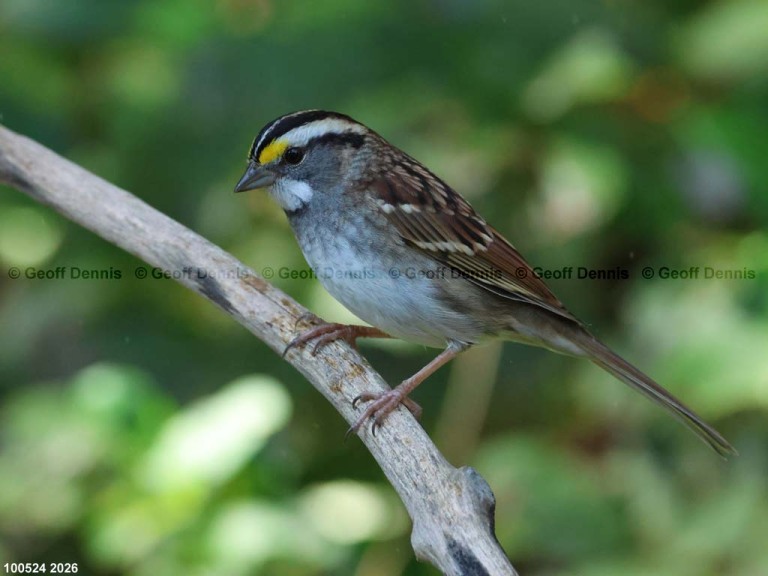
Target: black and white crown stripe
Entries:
(302, 127)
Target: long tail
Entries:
(624, 371)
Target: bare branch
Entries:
(452, 509)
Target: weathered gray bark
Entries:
(452, 509)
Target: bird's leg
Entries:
(381, 404)
(330, 332)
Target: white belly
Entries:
(386, 294)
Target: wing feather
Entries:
(441, 224)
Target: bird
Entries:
(407, 254)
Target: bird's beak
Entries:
(256, 176)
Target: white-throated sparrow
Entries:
(407, 254)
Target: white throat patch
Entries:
(291, 194)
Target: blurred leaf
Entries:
(347, 512)
(727, 41)
(28, 236)
(213, 438)
(582, 186)
(590, 68)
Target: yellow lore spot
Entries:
(273, 151)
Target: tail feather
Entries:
(627, 373)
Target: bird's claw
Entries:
(382, 404)
(327, 332)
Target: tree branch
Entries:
(452, 509)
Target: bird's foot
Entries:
(381, 404)
(327, 332)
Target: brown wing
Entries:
(431, 216)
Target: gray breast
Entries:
(387, 285)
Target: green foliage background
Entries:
(143, 432)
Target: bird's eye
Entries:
(293, 155)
